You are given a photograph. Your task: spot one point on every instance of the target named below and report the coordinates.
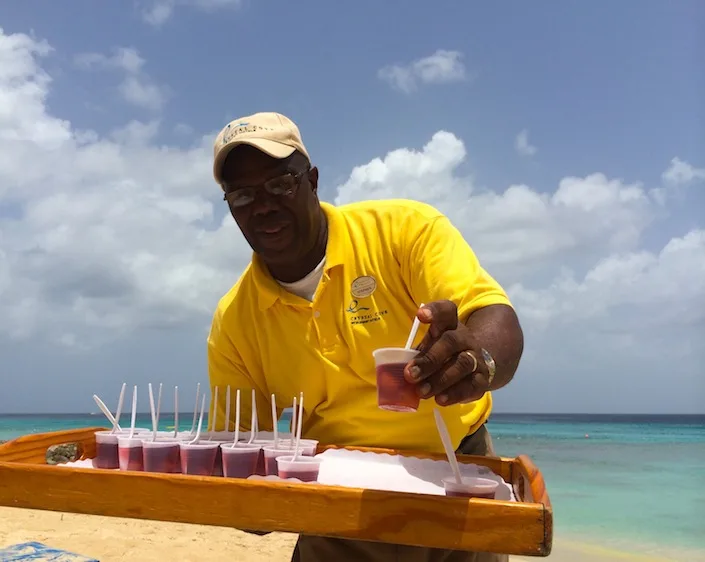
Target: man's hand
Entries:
(449, 365)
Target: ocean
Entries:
(628, 483)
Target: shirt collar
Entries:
(337, 248)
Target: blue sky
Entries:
(608, 88)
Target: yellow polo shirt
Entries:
(383, 259)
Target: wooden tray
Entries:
(524, 527)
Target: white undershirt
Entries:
(306, 286)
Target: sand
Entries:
(111, 539)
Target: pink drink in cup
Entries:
(130, 453)
(260, 461)
(106, 450)
(304, 468)
(198, 458)
(270, 455)
(240, 461)
(162, 455)
(471, 487)
(394, 393)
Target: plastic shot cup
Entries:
(304, 468)
(130, 453)
(240, 461)
(307, 447)
(471, 487)
(162, 455)
(259, 471)
(270, 456)
(198, 458)
(394, 393)
(106, 450)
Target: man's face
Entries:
(274, 202)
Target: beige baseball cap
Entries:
(272, 133)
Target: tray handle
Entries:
(532, 487)
(32, 448)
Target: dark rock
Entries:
(60, 454)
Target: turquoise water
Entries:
(627, 482)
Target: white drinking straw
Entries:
(215, 413)
(176, 411)
(292, 429)
(298, 426)
(118, 412)
(237, 417)
(159, 404)
(108, 414)
(227, 409)
(414, 329)
(195, 409)
(447, 445)
(274, 421)
(134, 411)
(152, 411)
(200, 421)
(253, 421)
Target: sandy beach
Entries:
(111, 539)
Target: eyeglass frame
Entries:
(289, 193)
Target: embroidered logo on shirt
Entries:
(363, 286)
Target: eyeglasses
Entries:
(282, 186)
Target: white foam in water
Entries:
(380, 471)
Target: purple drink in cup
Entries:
(106, 450)
(162, 455)
(240, 461)
(130, 453)
(198, 458)
(305, 469)
(394, 393)
(270, 455)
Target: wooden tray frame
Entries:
(524, 527)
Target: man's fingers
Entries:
(441, 315)
(428, 363)
(460, 367)
(467, 390)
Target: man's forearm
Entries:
(496, 328)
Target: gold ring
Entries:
(474, 368)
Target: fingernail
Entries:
(415, 372)
(442, 398)
(426, 313)
(425, 389)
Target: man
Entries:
(328, 285)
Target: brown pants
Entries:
(324, 549)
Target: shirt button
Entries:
(317, 314)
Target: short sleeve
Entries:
(438, 264)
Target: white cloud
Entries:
(442, 67)
(137, 87)
(157, 12)
(522, 144)
(521, 227)
(123, 234)
(109, 238)
(682, 173)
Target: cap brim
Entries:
(272, 148)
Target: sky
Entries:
(567, 145)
